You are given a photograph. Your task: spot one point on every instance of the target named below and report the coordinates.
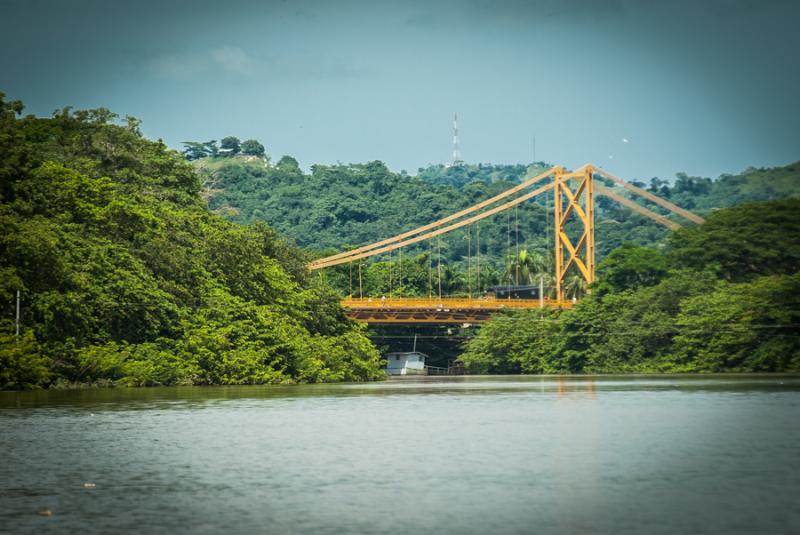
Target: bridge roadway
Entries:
(435, 310)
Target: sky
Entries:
(642, 88)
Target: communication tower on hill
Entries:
(456, 151)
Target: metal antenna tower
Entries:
(456, 150)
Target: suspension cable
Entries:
(516, 244)
(439, 267)
(439, 223)
(360, 289)
(547, 223)
(508, 250)
(430, 268)
(390, 274)
(469, 261)
(351, 280)
(527, 251)
(400, 272)
(478, 247)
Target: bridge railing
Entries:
(450, 303)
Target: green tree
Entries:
(231, 144)
(575, 286)
(287, 163)
(211, 148)
(252, 147)
(22, 362)
(742, 242)
(743, 327)
(128, 279)
(194, 150)
(629, 267)
(517, 342)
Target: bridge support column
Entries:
(573, 204)
(558, 208)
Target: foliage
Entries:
(22, 364)
(712, 303)
(251, 147)
(335, 207)
(126, 277)
(513, 343)
(366, 202)
(463, 174)
(629, 267)
(743, 327)
(755, 239)
(194, 150)
(231, 145)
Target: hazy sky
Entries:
(702, 86)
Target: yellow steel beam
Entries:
(446, 303)
(649, 196)
(574, 257)
(585, 215)
(602, 190)
(573, 202)
(588, 171)
(434, 310)
(558, 212)
(434, 318)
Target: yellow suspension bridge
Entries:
(573, 195)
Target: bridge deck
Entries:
(437, 310)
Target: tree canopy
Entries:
(251, 147)
(126, 278)
(710, 304)
(335, 207)
(231, 144)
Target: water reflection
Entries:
(562, 386)
(588, 454)
(565, 388)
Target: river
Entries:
(613, 454)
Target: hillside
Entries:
(336, 206)
(461, 175)
(339, 206)
(126, 278)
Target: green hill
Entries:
(339, 206)
(126, 278)
(460, 175)
(335, 206)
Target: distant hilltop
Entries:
(228, 146)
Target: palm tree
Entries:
(453, 281)
(490, 276)
(575, 286)
(529, 267)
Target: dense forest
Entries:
(340, 206)
(336, 207)
(722, 296)
(126, 278)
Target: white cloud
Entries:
(230, 60)
(234, 60)
(176, 67)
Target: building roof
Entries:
(511, 288)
